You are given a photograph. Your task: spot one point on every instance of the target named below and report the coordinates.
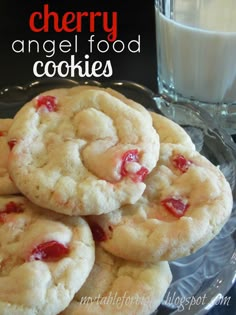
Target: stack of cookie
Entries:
(97, 195)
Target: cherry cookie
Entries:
(83, 150)
(116, 286)
(7, 186)
(171, 132)
(44, 258)
(186, 203)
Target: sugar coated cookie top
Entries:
(116, 286)
(186, 203)
(171, 132)
(44, 258)
(83, 150)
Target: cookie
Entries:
(44, 258)
(82, 150)
(171, 132)
(7, 186)
(116, 286)
(186, 203)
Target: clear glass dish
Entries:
(201, 280)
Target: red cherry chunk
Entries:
(175, 205)
(49, 251)
(13, 207)
(10, 207)
(12, 143)
(47, 101)
(99, 234)
(181, 163)
(140, 175)
(129, 156)
(2, 134)
(132, 156)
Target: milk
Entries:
(196, 43)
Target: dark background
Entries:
(134, 18)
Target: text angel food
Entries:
(49, 21)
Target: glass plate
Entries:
(200, 280)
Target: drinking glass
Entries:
(196, 55)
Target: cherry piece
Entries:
(140, 175)
(13, 207)
(12, 143)
(175, 205)
(180, 162)
(99, 234)
(49, 251)
(10, 207)
(129, 156)
(1, 134)
(48, 101)
(132, 156)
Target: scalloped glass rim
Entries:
(199, 273)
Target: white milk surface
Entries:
(197, 49)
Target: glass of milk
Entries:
(196, 51)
